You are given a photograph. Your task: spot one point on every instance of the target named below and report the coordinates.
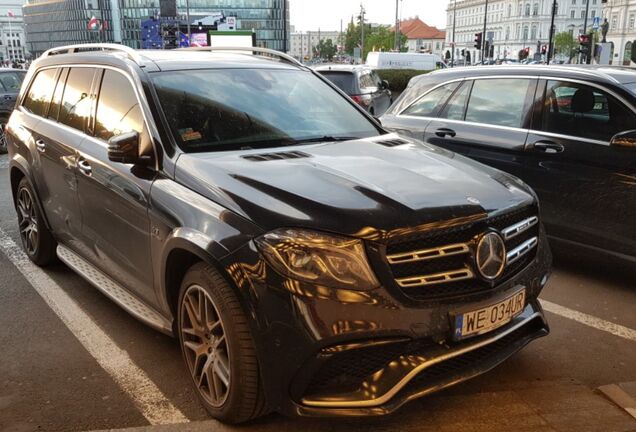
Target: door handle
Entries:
(40, 145)
(442, 132)
(548, 147)
(85, 167)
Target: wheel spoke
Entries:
(222, 370)
(189, 307)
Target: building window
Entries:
(527, 9)
(572, 12)
(582, 14)
(593, 14)
(614, 20)
(533, 33)
(525, 33)
(631, 21)
(535, 9)
(509, 10)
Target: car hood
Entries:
(362, 188)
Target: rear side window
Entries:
(583, 111)
(76, 102)
(502, 102)
(40, 93)
(118, 111)
(54, 110)
(345, 81)
(429, 104)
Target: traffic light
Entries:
(478, 40)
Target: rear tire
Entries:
(217, 347)
(37, 240)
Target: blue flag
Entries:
(184, 40)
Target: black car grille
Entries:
(440, 264)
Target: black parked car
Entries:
(308, 261)
(362, 84)
(10, 83)
(569, 132)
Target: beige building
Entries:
(301, 44)
(621, 17)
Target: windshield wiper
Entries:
(325, 138)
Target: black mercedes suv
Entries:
(308, 261)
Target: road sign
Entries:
(596, 23)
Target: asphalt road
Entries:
(53, 379)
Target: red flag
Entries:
(93, 24)
(10, 14)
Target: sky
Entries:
(326, 14)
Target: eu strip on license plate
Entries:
(489, 318)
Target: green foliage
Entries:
(378, 38)
(398, 78)
(565, 44)
(325, 49)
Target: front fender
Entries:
(19, 167)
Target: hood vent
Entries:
(392, 142)
(263, 157)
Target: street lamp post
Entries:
(453, 38)
(397, 25)
(483, 37)
(362, 12)
(550, 48)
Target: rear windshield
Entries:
(345, 81)
(231, 109)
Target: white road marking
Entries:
(152, 403)
(591, 321)
(4, 161)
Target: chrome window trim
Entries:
(141, 100)
(508, 128)
(570, 137)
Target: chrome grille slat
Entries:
(437, 278)
(518, 228)
(426, 254)
(521, 250)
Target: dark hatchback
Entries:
(10, 83)
(362, 84)
(569, 132)
(308, 261)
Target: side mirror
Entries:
(124, 148)
(624, 139)
(385, 84)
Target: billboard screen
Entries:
(199, 39)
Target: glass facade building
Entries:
(51, 23)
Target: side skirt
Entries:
(114, 291)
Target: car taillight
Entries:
(363, 100)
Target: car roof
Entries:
(599, 73)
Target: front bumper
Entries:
(426, 369)
(325, 352)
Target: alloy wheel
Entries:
(205, 345)
(28, 220)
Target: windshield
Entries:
(230, 109)
(345, 81)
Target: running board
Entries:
(114, 291)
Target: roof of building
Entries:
(415, 28)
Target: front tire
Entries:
(218, 347)
(37, 240)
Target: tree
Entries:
(376, 38)
(565, 44)
(325, 49)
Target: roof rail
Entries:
(71, 49)
(284, 57)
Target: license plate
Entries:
(489, 318)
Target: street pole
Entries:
(188, 20)
(588, 54)
(362, 33)
(397, 25)
(483, 35)
(453, 38)
(554, 6)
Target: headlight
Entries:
(322, 259)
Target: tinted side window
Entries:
(118, 111)
(429, 104)
(39, 96)
(76, 102)
(367, 85)
(456, 106)
(54, 110)
(502, 102)
(580, 110)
